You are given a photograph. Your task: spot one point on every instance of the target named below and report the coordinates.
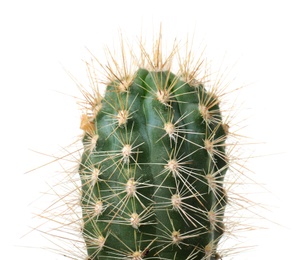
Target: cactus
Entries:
(153, 164)
(155, 175)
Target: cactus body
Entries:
(152, 169)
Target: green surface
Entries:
(152, 172)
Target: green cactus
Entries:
(153, 167)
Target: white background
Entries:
(264, 40)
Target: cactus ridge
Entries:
(153, 167)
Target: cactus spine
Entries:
(153, 164)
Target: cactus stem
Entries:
(156, 150)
